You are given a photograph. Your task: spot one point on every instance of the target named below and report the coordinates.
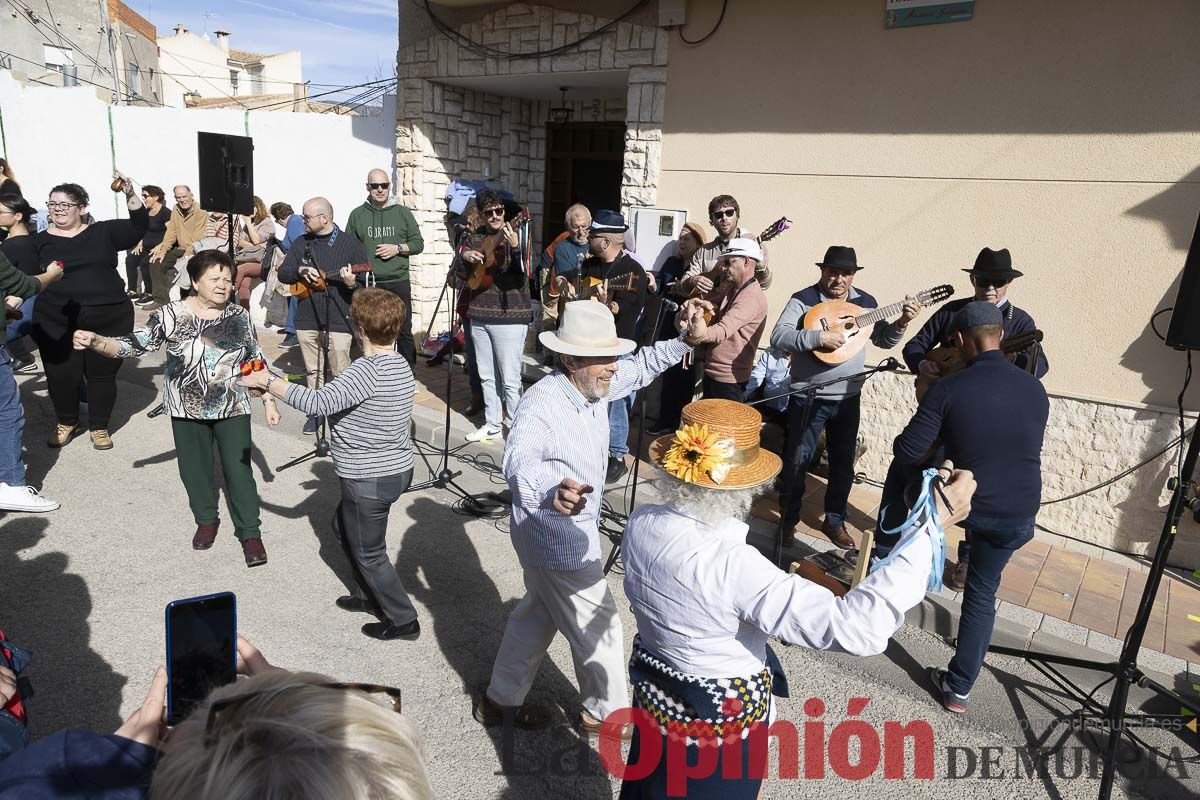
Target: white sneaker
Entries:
(484, 434)
(24, 498)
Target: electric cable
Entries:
(707, 36)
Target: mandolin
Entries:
(494, 247)
(303, 288)
(590, 287)
(856, 322)
(950, 359)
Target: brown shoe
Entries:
(838, 535)
(476, 406)
(590, 725)
(958, 578)
(789, 538)
(101, 440)
(255, 553)
(528, 717)
(205, 534)
(63, 434)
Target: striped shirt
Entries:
(370, 413)
(557, 433)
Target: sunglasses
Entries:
(494, 212)
(378, 185)
(212, 728)
(995, 283)
(728, 212)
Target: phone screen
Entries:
(201, 650)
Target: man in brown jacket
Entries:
(730, 342)
(184, 228)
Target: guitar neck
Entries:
(881, 313)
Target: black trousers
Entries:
(405, 345)
(66, 368)
(718, 390)
(678, 388)
(361, 522)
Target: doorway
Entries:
(584, 164)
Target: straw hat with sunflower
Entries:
(717, 447)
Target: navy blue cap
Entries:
(606, 221)
(976, 314)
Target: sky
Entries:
(342, 42)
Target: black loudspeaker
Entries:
(1184, 333)
(226, 172)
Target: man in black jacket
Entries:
(324, 250)
(991, 419)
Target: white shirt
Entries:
(706, 602)
(558, 433)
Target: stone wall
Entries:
(1087, 442)
(447, 131)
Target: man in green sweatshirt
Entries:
(390, 235)
(16, 286)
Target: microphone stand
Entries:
(798, 470)
(637, 453)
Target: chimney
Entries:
(222, 40)
(179, 28)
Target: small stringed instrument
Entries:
(770, 232)
(587, 288)
(482, 275)
(304, 288)
(856, 322)
(950, 359)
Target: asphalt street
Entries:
(84, 587)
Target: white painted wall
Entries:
(194, 63)
(53, 135)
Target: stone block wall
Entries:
(446, 131)
(1087, 442)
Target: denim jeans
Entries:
(498, 349)
(12, 424)
(839, 418)
(619, 412)
(289, 325)
(23, 326)
(993, 541)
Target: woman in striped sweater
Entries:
(369, 406)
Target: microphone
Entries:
(307, 259)
(890, 364)
(670, 305)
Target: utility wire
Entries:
(707, 36)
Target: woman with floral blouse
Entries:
(210, 341)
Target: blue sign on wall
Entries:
(905, 13)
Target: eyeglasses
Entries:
(53, 206)
(378, 185)
(212, 729)
(307, 217)
(727, 212)
(494, 212)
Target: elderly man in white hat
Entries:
(739, 308)
(706, 602)
(554, 462)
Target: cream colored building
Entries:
(196, 68)
(1067, 132)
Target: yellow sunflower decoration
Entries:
(696, 452)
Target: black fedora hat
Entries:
(839, 257)
(994, 264)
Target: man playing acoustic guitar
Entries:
(836, 407)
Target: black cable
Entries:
(493, 52)
(707, 36)
(1155, 316)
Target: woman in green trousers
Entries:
(208, 339)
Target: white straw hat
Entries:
(586, 328)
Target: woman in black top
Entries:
(91, 296)
(16, 217)
(137, 260)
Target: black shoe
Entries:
(616, 470)
(350, 603)
(661, 430)
(386, 631)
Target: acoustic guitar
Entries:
(587, 288)
(856, 322)
(950, 359)
(770, 232)
(482, 275)
(304, 288)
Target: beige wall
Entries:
(1066, 131)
